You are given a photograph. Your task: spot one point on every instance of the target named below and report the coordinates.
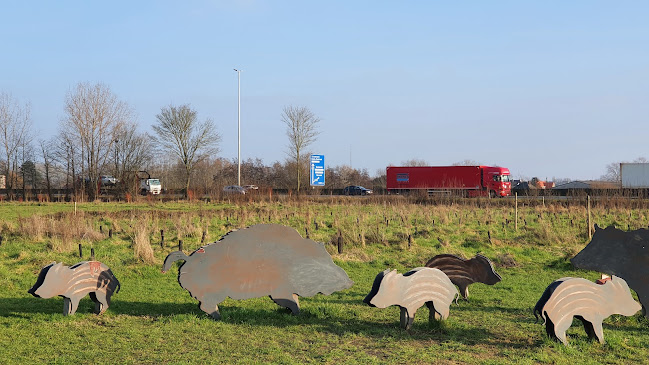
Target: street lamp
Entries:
(239, 127)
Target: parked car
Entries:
(234, 189)
(250, 187)
(107, 180)
(356, 190)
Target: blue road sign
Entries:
(317, 170)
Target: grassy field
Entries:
(153, 320)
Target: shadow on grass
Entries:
(337, 322)
(23, 307)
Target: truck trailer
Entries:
(460, 180)
(634, 175)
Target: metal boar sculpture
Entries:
(587, 301)
(623, 254)
(411, 290)
(463, 272)
(264, 259)
(75, 282)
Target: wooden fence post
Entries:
(590, 226)
(516, 211)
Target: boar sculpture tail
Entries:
(171, 258)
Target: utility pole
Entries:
(239, 127)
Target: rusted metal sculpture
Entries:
(411, 290)
(75, 282)
(264, 259)
(623, 254)
(587, 301)
(463, 272)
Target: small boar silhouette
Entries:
(264, 259)
(411, 290)
(587, 301)
(75, 282)
(463, 272)
(623, 254)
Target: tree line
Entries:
(98, 136)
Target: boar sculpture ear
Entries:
(390, 274)
(597, 227)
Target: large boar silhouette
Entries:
(587, 301)
(419, 286)
(264, 259)
(464, 272)
(624, 254)
(75, 282)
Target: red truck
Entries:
(465, 180)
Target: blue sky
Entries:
(553, 89)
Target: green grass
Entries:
(153, 320)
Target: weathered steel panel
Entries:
(75, 282)
(587, 301)
(464, 272)
(624, 254)
(264, 259)
(411, 290)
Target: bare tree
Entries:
(93, 117)
(613, 170)
(301, 129)
(67, 153)
(47, 154)
(466, 162)
(415, 162)
(180, 134)
(27, 168)
(132, 152)
(15, 125)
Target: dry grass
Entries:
(142, 245)
(61, 231)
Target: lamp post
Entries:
(239, 127)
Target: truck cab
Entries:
(496, 181)
(150, 186)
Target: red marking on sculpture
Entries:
(95, 267)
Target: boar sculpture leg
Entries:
(289, 301)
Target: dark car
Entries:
(356, 190)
